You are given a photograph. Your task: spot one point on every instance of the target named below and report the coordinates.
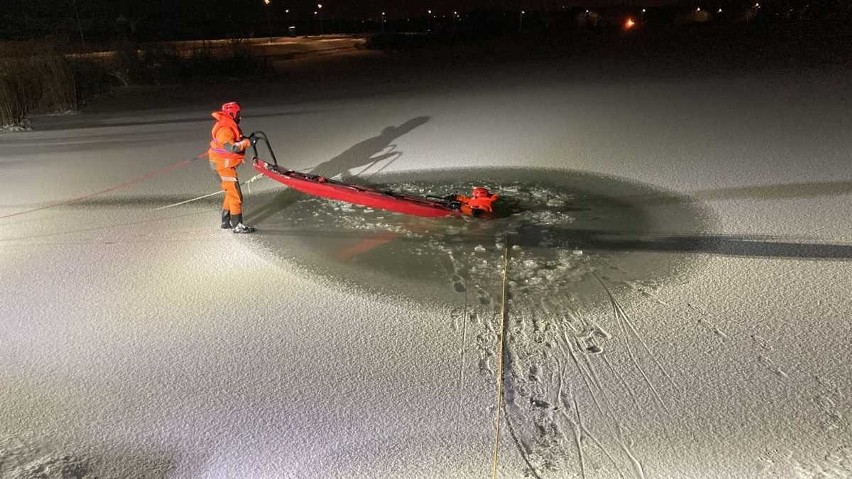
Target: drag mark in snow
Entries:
(584, 374)
(765, 360)
(623, 323)
(644, 291)
(591, 436)
(578, 427)
(618, 375)
(619, 430)
(762, 343)
(704, 321)
(625, 318)
(590, 367)
(587, 341)
(770, 365)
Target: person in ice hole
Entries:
(478, 205)
(227, 151)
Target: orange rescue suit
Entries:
(476, 205)
(226, 153)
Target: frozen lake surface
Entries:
(671, 259)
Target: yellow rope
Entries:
(206, 196)
(502, 339)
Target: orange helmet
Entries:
(232, 109)
(480, 192)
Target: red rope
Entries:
(146, 176)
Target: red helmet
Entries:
(480, 192)
(231, 109)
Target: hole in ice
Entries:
(559, 225)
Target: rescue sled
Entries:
(478, 205)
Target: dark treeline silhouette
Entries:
(107, 20)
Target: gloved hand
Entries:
(243, 144)
(453, 201)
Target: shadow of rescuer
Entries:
(226, 153)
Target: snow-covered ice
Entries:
(678, 280)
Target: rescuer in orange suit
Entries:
(227, 151)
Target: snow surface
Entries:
(678, 282)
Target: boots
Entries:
(226, 219)
(239, 227)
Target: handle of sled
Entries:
(261, 136)
(448, 200)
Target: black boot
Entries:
(226, 220)
(239, 227)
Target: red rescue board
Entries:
(323, 187)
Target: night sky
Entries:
(359, 8)
(169, 19)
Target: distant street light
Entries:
(383, 22)
(287, 19)
(455, 14)
(319, 9)
(521, 21)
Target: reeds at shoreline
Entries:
(34, 79)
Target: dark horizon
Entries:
(49, 16)
(196, 19)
